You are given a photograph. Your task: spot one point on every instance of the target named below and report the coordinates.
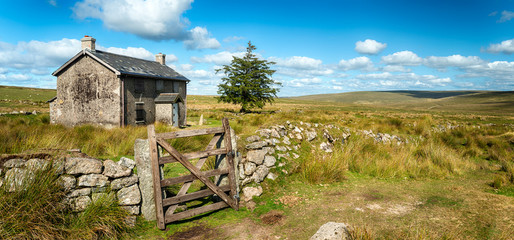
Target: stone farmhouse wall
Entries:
(84, 179)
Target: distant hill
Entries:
(468, 101)
(24, 93)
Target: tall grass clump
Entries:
(37, 210)
(316, 166)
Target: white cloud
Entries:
(369, 46)
(150, 19)
(221, 58)
(452, 61)
(304, 82)
(34, 54)
(506, 47)
(298, 62)
(395, 68)
(358, 63)
(404, 80)
(506, 16)
(154, 19)
(52, 2)
(404, 58)
(199, 39)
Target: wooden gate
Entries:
(165, 207)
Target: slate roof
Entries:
(125, 65)
(168, 98)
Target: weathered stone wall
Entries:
(164, 113)
(87, 93)
(84, 179)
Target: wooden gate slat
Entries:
(191, 196)
(196, 172)
(190, 133)
(196, 211)
(230, 161)
(194, 155)
(156, 177)
(188, 178)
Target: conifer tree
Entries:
(248, 81)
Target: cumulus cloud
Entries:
(131, 52)
(442, 63)
(304, 82)
(152, 19)
(221, 58)
(395, 68)
(34, 54)
(52, 2)
(506, 16)
(404, 58)
(404, 80)
(358, 63)
(506, 47)
(298, 62)
(369, 46)
(200, 39)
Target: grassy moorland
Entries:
(453, 179)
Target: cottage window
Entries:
(159, 85)
(140, 112)
(139, 86)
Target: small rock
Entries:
(77, 166)
(127, 162)
(36, 164)
(327, 147)
(250, 192)
(281, 148)
(114, 170)
(299, 136)
(274, 133)
(134, 209)
(241, 171)
(311, 135)
(286, 141)
(253, 138)
(256, 145)
(67, 182)
(264, 132)
(250, 168)
(331, 231)
(93, 180)
(260, 173)
(15, 178)
(15, 163)
(269, 161)
(271, 176)
(58, 166)
(124, 182)
(329, 137)
(256, 156)
(80, 192)
(81, 203)
(295, 156)
(269, 150)
(129, 195)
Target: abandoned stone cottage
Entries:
(108, 89)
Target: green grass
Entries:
(450, 171)
(37, 211)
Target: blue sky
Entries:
(318, 46)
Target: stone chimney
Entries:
(160, 58)
(88, 42)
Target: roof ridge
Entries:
(126, 56)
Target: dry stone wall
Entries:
(84, 179)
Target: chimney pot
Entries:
(161, 58)
(88, 42)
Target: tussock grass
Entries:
(37, 211)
